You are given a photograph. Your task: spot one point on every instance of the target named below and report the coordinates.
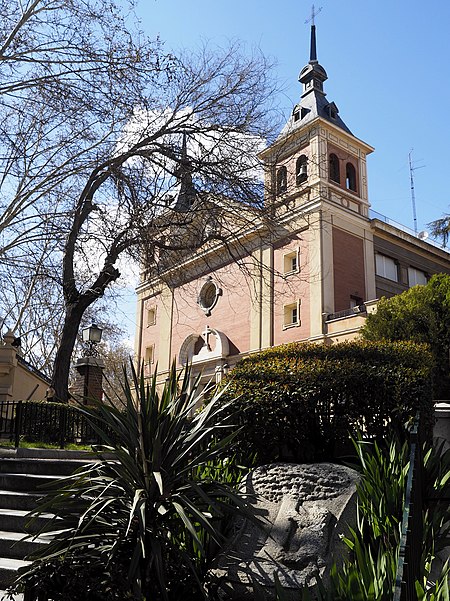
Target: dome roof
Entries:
(312, 69)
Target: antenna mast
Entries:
(413, 196)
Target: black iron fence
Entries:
(412, 523)
(51, 423)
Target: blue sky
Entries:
(388, 66)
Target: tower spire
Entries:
(184, 156)
(313, 74)
(183, 172)
(313, 51)
(313, 102)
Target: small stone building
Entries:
(19, 381)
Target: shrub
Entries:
(298, 402)
(420, 314)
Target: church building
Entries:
(314, 277)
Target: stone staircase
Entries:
(22, 474)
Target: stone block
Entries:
(304, 510)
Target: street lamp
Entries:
(88, 384)
(91, 337)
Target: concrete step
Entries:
(8, 570)
(32, 465)
(16, 545)
(53, 454)
(35, 453)
(16, 520)
(25, 482)
(24, 474)
(12, 499)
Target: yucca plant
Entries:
(151, 502)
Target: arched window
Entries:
(301, 169)
(281, 180)
(350, 177)
(334, 169)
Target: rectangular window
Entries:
(151, 316)
(291, 262)
(415, 277)
(294, 315)
(386, 267)
(291, 315)
(148, 359)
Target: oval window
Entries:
(208, 296)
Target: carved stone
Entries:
(305, 510)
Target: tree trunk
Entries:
(61, 367)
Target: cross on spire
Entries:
(313, 51)
(314, 14)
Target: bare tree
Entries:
(32, 306)
(70, 75)
(93, 119)
(64, 66)
(116, 357)
(31, 303)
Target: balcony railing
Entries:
(347, 313)
(405, 228)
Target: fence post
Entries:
(18, 424)
(411, 530)
(62, 425)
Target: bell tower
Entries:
(316, 177)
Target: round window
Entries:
(208, 296)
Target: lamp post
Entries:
(91, 337)
(89, 381)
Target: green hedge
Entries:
(298, 402)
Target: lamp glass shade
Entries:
(92, 334)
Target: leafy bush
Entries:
(299, 402)
(420, 314)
